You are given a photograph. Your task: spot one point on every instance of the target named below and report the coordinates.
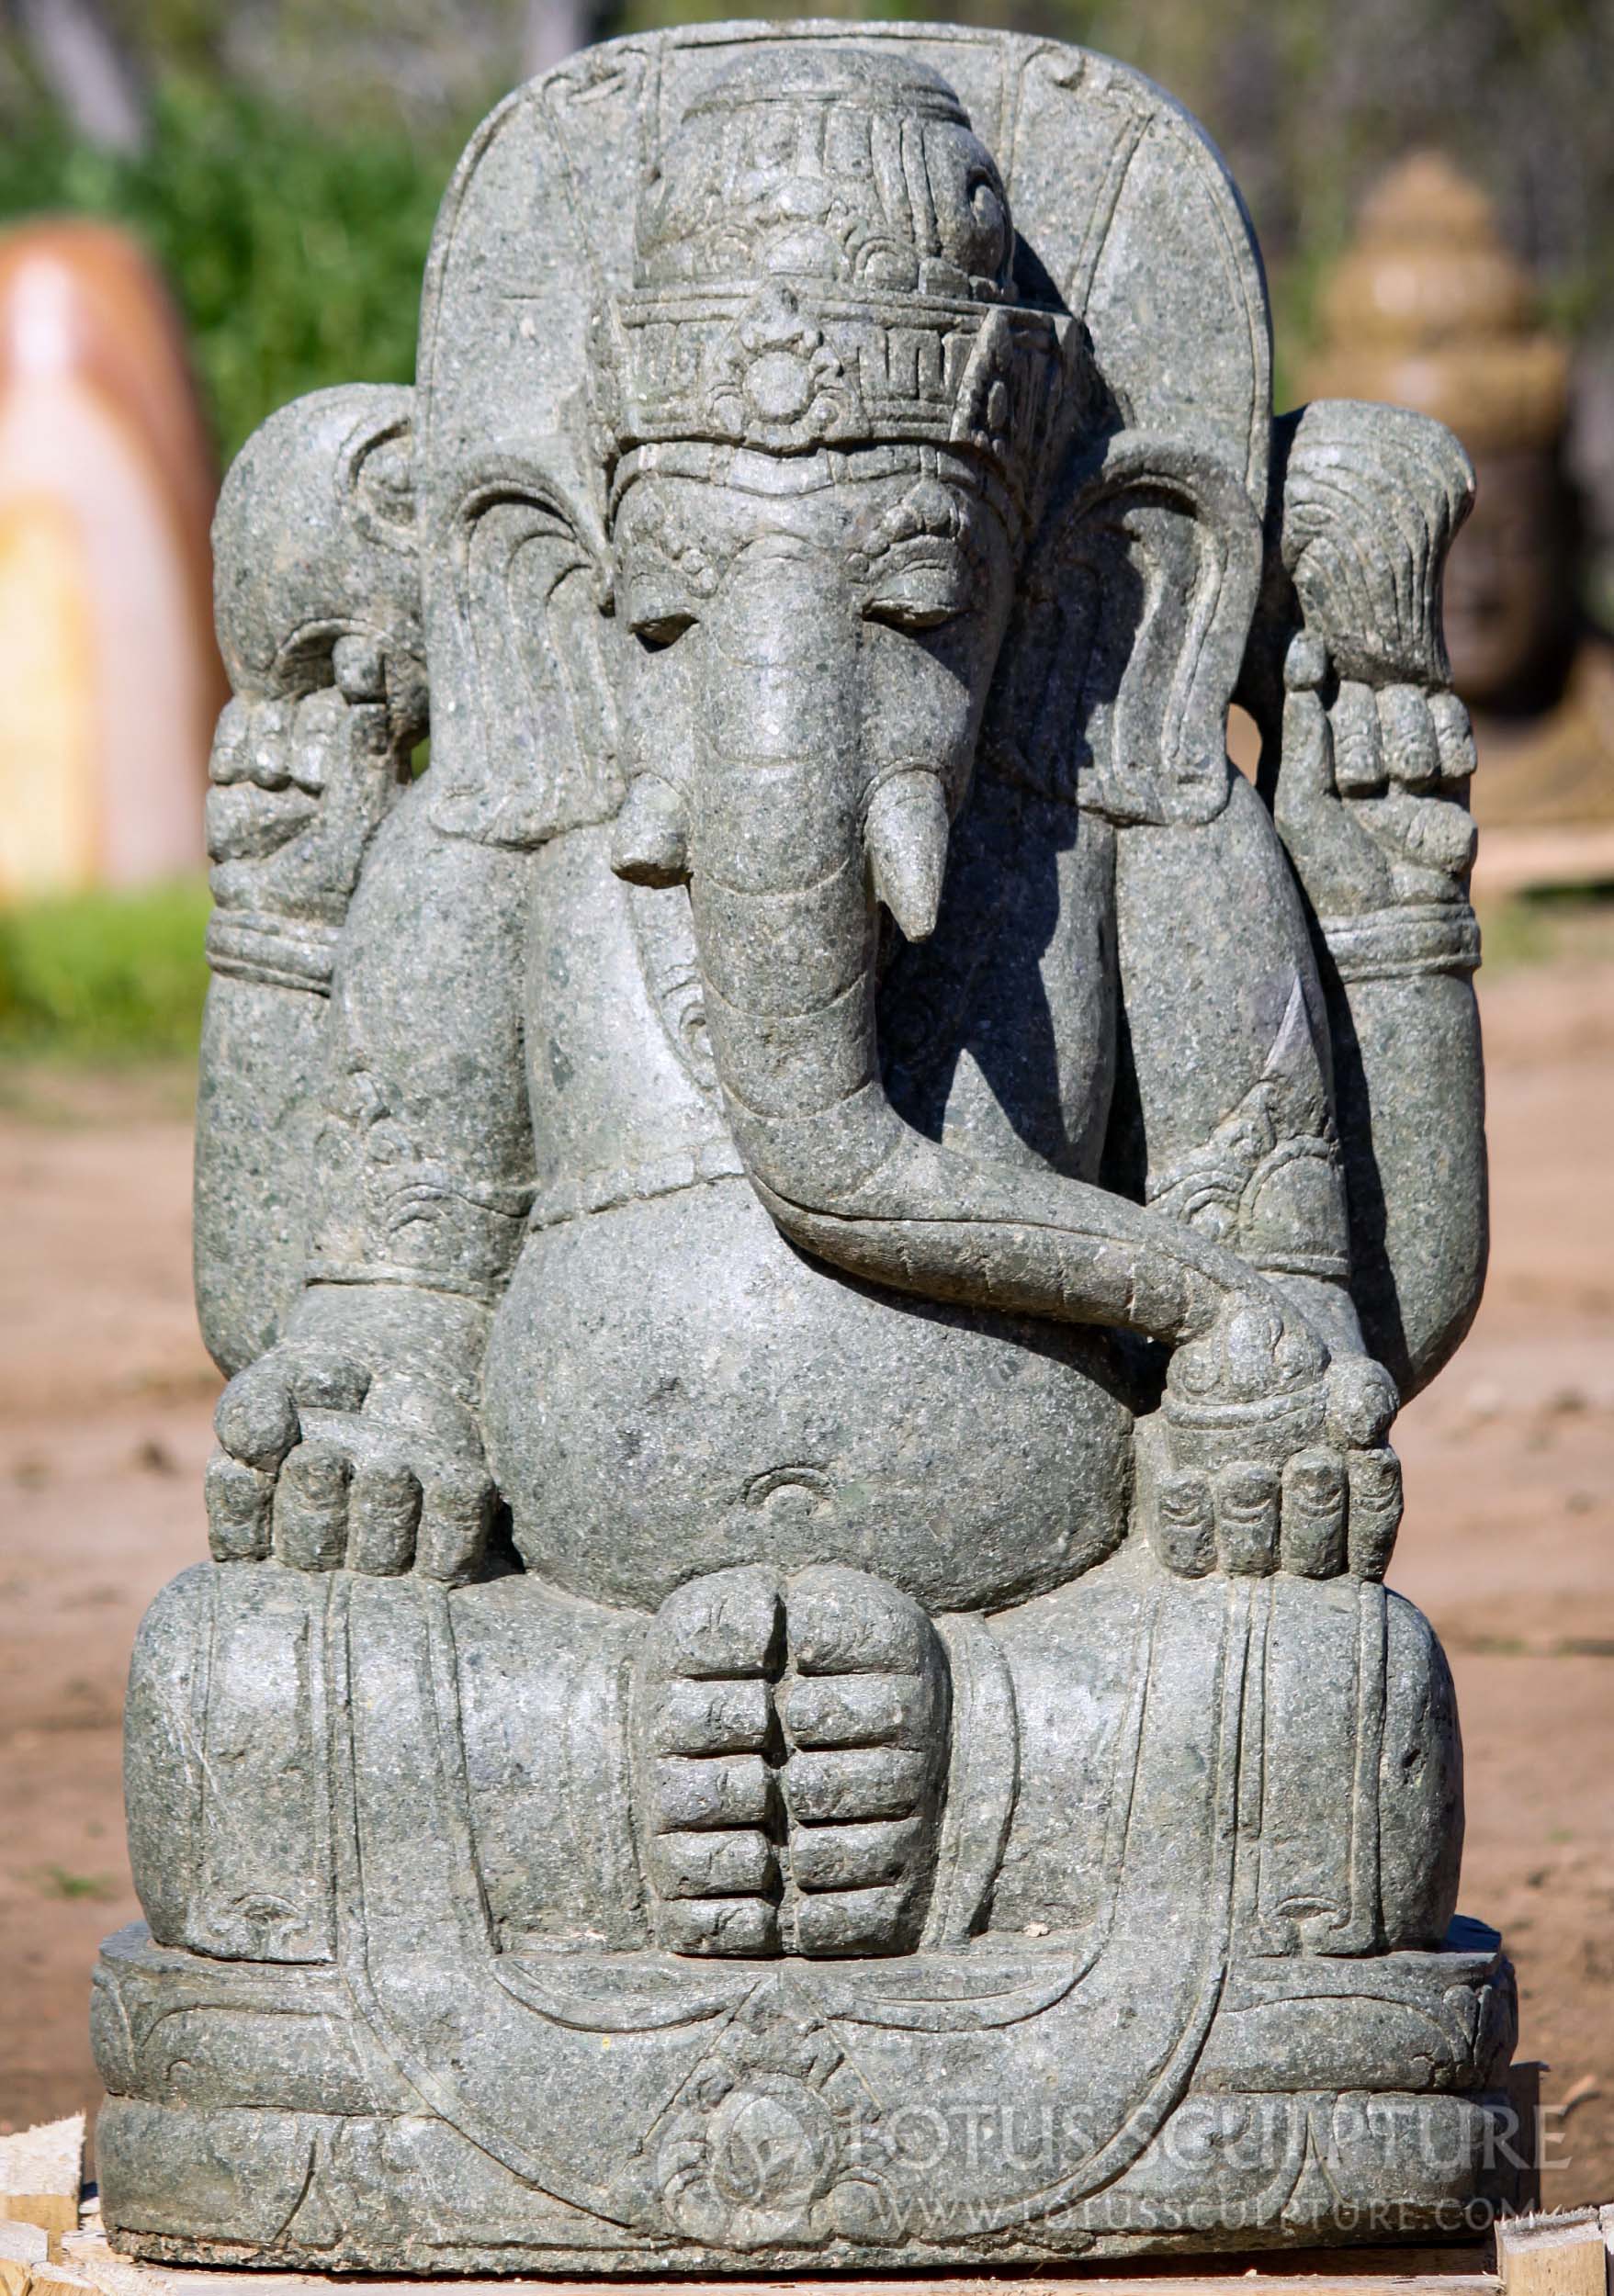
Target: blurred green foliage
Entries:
(296, 252)
(299, 147)
(105, 975)
(299, 150)
(1555, 925)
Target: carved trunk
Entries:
(795, 1672)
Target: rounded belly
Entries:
(672, 1389)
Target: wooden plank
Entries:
(174, 2280)
(1309, 2272)
(40, 2173)
(60, 2279)
(1554, 2256)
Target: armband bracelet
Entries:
(1399, 944)
(280, 951)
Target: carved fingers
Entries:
(298, 788)
(865, 1725)
(1314, 1493)
(708, 1755)
(1372, 788)
(1406, 736)
(1374, 1510)
(254, 804)
(239, 1500)
(326, 1468)
(794, 1740)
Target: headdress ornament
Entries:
(824, 259)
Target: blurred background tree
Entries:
(283, 158)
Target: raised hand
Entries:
(1372, 792)
(298, 788)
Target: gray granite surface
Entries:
(817, 1235)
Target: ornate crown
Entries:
(824, 260)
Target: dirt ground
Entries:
(105, 1397)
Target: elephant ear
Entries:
(1129, 631)
(523, 739)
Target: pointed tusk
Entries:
(651, 846)
(906, 839)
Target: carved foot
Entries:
(866, 1725)
(794, 1740)
(710, 1744)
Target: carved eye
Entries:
(919, 597)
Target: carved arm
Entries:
(1225, 1117)
(1366, 760)
(1223, 1122)
(320, 627)
(363, 1152)
(355, 1439)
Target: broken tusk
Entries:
(906, 839)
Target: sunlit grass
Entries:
(105, 976)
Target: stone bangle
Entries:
(278, 951)
(1401, 943)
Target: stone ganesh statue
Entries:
(817, 1233)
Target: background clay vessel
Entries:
(110, 678)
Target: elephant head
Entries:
(838, 450)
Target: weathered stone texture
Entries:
(817, 1233)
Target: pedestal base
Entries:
(773, 2118)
